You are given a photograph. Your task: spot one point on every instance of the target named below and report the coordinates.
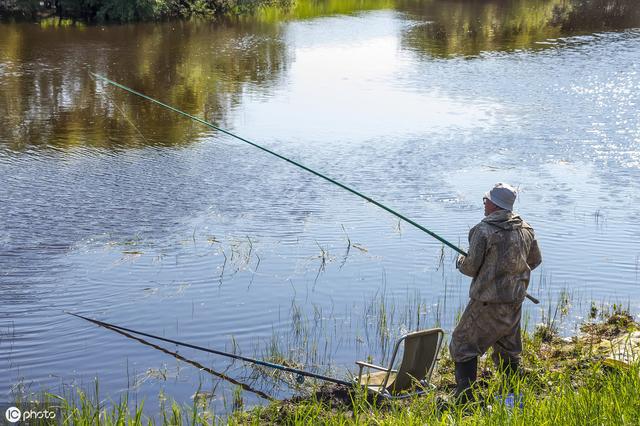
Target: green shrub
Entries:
(137, 10)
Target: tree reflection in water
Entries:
(203, 68)
(450, 28)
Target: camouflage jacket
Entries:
(502, 252)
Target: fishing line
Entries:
(125, 115)
(295, 163)
(301, 373)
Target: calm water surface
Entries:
(115, 208)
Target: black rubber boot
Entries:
(507, 366)
(512, 368)
(466, 373)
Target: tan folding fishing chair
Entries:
(420, 353)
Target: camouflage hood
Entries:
(506, 220)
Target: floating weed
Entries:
(324, 259)
(237, 253)
(181, 288)
(598, 216)
(136, 240)
(346, 254)
(323, 256)
(161, 374)
(255, 271)
(360, 247)
(248, 257)
(133, 252)
(235, 349)
(441, 260)
(564, 303)
(222, 268)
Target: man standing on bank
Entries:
(502, 252)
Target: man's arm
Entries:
(471, 263)
(534, 259)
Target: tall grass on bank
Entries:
(594, 396)
(563, 381)
(601, 398)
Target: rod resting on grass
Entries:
(295, 163)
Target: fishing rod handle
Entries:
(533, 299)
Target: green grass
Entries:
(563, 382)
(594, 396)
(601, 398)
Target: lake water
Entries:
(113, 207)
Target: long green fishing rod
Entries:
(333, 181)
(297, 371)
(295, 163)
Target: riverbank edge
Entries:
(591, 377)
(572, 380)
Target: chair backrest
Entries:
(419, 358)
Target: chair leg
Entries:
(466, 374)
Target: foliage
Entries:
(135, 10)
(603, 399)
(593, 395)
(108, 10)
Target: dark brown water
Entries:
(113, 207)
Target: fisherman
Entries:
(502, 252)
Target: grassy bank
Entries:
(570, 381)
(591, 378)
